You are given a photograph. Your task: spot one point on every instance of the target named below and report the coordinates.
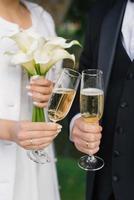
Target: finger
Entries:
(40, 105)
(38, 126)
(43, 141)
(87, 127)
(87, 151)
(39, 89)
(92, 128)
(88, 145)
(38, 141)
(40, 147)
(39, 97)
(41, 81)
(27, 136)
(85, 136)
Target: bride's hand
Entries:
(40, 90)
(34, 135)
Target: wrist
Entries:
(12, 130)
(7, 129)
(72, 125)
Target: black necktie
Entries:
(132, 0)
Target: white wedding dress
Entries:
(21, 178)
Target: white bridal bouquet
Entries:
(37, 55)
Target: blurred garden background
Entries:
(70, 19)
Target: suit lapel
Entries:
(108, 39)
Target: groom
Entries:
(109, 46)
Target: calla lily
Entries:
(26, 40)
(52, 52)
(52, 58)
(30, 68)
(35, 50)
(21, 58)
(61, 42)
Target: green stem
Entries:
(38, 114)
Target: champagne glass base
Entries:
(40, 156)
(91, 163)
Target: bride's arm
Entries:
(29, 135)
(6, 129)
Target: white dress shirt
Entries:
(128, 29)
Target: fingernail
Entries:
(28, 87)
(58, 131)
(35, 103)
(34, 78)
(30, 94)
(59, 127)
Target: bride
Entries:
(20, 178)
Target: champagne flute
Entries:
(91, 109)
(63, 94)
(59, 105)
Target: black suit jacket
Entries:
(103, 30)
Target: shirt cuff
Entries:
(72, 124)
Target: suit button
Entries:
(123, 104)
(116, 154)
(119, 130)
(130, 76)
(115, 178)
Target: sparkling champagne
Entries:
(91, 104)
(60, 103)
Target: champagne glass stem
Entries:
(38, 156)
(91, 158)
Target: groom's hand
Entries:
(40, 90)
(86, 136)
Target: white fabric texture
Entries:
(72, 124)
(128, 30)
(21, 178)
